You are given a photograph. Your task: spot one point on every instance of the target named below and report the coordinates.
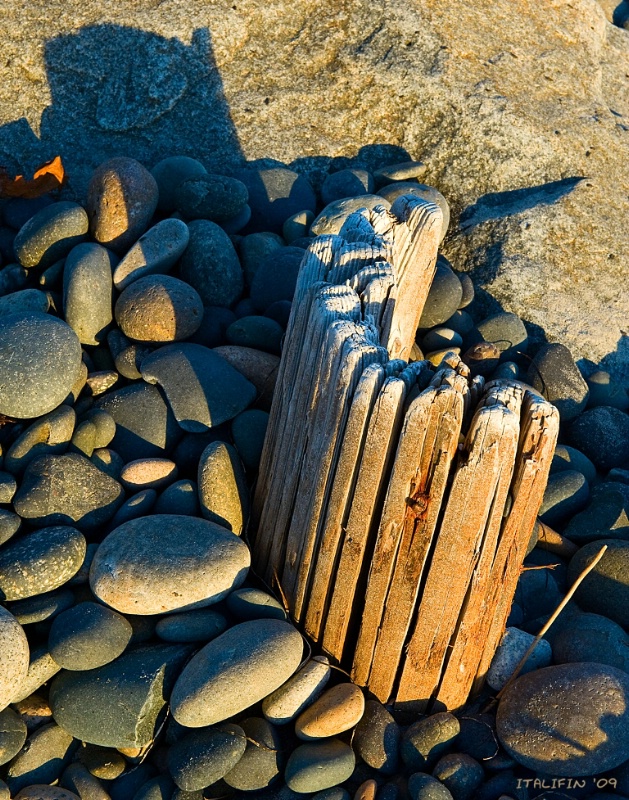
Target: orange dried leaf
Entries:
(47, 178)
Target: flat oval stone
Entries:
(571, 716)
(250, 603)
(261, 762)
(148, 473)
(275, 193)
(199, 625)
(12, 734)
(236, 670)
(8, 487)
(41, 668)
(346, 183)
(605, 590)
(223, 490)
(50, 234)
(248, 430)
(210, 264)
(443, 298)
(331, 219)
(42, 760)
(67, 489)
(45, 792)
(425, 741)
(14, 655)
(152, 564)
(156, 251)
(202, 388)
(259, 368)
(337, 710)
(40, 360)
(377, 738)
(78, 779)
(215, 197)
(513, 645)
(145, 425)
(118, 705)
(566, 457)
(158, 309)
(51, 434)
(592, 637)
(566, 493)
(319, 765)
(121, 199)
(299, 691)
(24, 301)
(42, 607)
(102, 762)
(40, 561)
(88, 291)
(9, 524)
(203, 757)
(88, 636)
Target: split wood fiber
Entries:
(395, 500)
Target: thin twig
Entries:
(553, 617)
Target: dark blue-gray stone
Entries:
(169, 173)
(119, 704)
(566, 457)
(258, 332)
(145, 425)
(554, 373)
(210, 264)
(211, 332)
(460, 774)
(67, 489)
(156, 251)
(40, 361)
(297, 226)
(50, 234)
(12, 734)
(602, 433)
(346, 183)
(606, 517)
(249, 430)
(537, 593)
(377, 738)
(40, 561)
(234, 225)
(476, 737)
(203, 757)
(255, 248)
(276, 277)
(604, 391)
(592, 637)
(87, 636)
(250, 603)
(319, 765)
(203, 390)
(424, 787)
(566, 493)
(198, 625)
(24, 301)
(280, 312)
(443, 298)
(42, 606)
(43, 758)
(505, 330)
(88, 291)
(441, 338)
(180, 497)
(569, 718)
(460, 321)
(214, 197)
(428, 739)
(160, 788)
(275, 193)
(605, 589)
(261, 762)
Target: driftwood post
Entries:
(395, 501)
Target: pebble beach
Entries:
(141, 658)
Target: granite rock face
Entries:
(524, 147)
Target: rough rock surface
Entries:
(493, 103)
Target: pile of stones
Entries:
(140, 657)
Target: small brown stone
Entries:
(34, 711)
(366, 790)
(337, 710)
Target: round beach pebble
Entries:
(223, 490)
(102, 762)
(78, 779)
(43, 758)
(259, 368)
(210, 264)
(88, 636)
(203, 389)
(14, 657)
(118, 704)
(42, 606)
(181, 497)
(40, 561)
(604, 518)
(592, 637)
(50, 434)
(444, 296)
(427, 740)
(337, 710)
(566, 457)
(505, 330)
(148, 473)
(319, 765)
(159, 309)
(254, 250)
(460, 774)
(602, 434)
(297, 225)
(566, 493)
(276, 277)
(605, 590)
(261, 762)
(50, 234)
(201, 758)
(377, 738)
(258, 332)
(152, 564)
(169, 173)
(121, 199)
(571, 716)
(604, 391)
(67, 489)
(346, 183)
(424, 787)
(250, 603)
(199, 625)
(236, 670)
(44, 792)
(156, 251)
(9, 524)
(513, 646)
(301, 690)
(24, 302)
(332, 217)
(215, 197)
(13, 734)
(42, 667)
(88, 291)
(275, 193)
(40, 360)
(554, 373)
